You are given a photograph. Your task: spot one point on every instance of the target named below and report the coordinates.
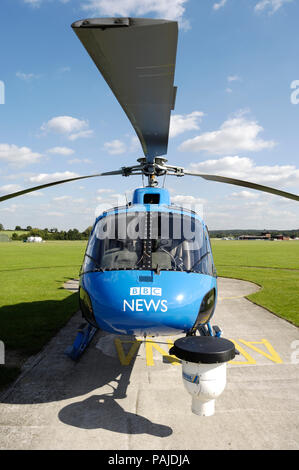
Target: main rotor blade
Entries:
(47, 185)
(245, 184)
(136, 57)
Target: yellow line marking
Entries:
(150, 345)
(245, 354)
(273, 356)
(125, 360)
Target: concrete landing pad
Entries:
(127, 393)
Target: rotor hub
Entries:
(152, 169)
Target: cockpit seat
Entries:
(120, 259)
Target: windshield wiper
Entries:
(96, 269)
(199, 260)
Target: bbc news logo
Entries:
(146, 291)
(2, 92)
(2, 353)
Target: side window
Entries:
(211, 270)
(89, 263)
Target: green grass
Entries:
(33, 303)
(272, 265)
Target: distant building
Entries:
(254, 237)
(281, 237)
(34, 239)
(263, 236)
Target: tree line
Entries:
(236, 233)
(49, 234)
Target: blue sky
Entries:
(236, 114)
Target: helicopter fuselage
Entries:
(148, 269)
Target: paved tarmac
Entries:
(128, 395)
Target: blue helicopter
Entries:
(148, 268)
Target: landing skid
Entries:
(208, 330)
(84, 336)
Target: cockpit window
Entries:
(149, 241)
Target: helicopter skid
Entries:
(84, 336)
(208, 330)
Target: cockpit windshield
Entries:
(149, 241)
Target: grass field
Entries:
(272, 265)
(34, 305)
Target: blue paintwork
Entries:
(182, 292)
(82, 340)
(140, 192)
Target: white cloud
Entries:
(61, 198)
(61, 151)
(64, 125)
(11, 208)
(103, 191)
(34, 3)
(168, 9)
(82, 134)
(72, 127)
(37, 3)
(235, 134)
(47, 177)
(263, 212)
(78, 160)
(18, 156)
(34, 194)
(9, 188)
(244, 195)
(180, 123)
(55, 214)
(233, 78)
(195, 204)
(115, 147)
(27, 76)
(246, 169)
(79, 200)
(64, 69)
(271, 5)
(220, 4)
(134, 144)
(108, 201)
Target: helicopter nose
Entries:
(126, 302)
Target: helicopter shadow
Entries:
(51, 376)
(103, 411)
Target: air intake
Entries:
(151, 199)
